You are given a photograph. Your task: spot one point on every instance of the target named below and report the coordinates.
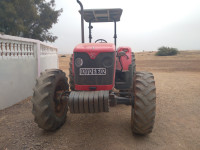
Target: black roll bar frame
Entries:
(82, 21)
(90, 27)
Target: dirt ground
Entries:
(177, 125)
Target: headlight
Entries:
(107, 62)
(78, 62)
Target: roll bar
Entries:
(82, 21)
(99, 15)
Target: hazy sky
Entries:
(145, 24)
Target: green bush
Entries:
(166, 51)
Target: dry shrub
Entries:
(166, 51)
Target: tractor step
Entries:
(89, 101)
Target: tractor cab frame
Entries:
(124, 61)
(99, 16)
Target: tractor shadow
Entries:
(101, 130)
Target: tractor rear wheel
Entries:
(49, 107)
(144, 106)
(71, 77)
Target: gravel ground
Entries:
(177, 123)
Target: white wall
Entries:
(21, 61)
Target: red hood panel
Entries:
(95, 47)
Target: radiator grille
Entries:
(98, 62)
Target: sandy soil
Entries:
(177, 123)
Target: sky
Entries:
(145, 25)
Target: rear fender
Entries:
(125, 60)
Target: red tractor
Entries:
(100, 76)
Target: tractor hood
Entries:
(94, 56)
(95, 47)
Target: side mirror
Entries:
(122, 53)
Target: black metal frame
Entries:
(115, 33)
(90, 32)
(90, 27)
(82, 21)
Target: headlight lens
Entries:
(78, 62)
(107, 62)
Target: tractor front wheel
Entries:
(144, 106)
(49, 106)
(71, 77)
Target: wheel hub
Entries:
(60, 102)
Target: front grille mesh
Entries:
(94, 63)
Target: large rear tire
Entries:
(143, 108)
(71, 77)
(49, 109)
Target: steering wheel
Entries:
(101, 41)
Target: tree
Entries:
(28, 18)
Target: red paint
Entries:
(98, 87)
(93, 49)
(125, 62)
(93, 55)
